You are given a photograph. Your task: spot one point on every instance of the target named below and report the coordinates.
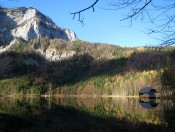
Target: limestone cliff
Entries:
(29, 23)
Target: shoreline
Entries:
(72, 96)
(67, 95)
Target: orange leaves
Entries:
(39, 80)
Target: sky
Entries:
(101, 26)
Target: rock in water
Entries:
(29, 23)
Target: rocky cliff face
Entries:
(51, 54)
(27, 24)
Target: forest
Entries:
(94, 69)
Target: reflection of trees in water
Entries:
(119, 107)
(127, 109)
(168, 109)
(130, 109)
(162, 114)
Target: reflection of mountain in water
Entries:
(148, 104)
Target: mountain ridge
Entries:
(29, 23)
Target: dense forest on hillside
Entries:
(85, 68)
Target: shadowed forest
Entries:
(93, 69)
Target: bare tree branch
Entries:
(160, 14)
(137, 10)
(79, 12)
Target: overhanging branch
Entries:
(79, 12)
(137, 10)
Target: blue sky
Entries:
(101, 26)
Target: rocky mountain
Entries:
(29, 23)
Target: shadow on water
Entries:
(82, 114)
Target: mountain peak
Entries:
(29, 23)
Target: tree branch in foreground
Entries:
(79, 12)
(161, 16)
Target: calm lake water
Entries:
(86, 114)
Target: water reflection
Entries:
(86, 114)
(148, 103)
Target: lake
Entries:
(86, 114)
